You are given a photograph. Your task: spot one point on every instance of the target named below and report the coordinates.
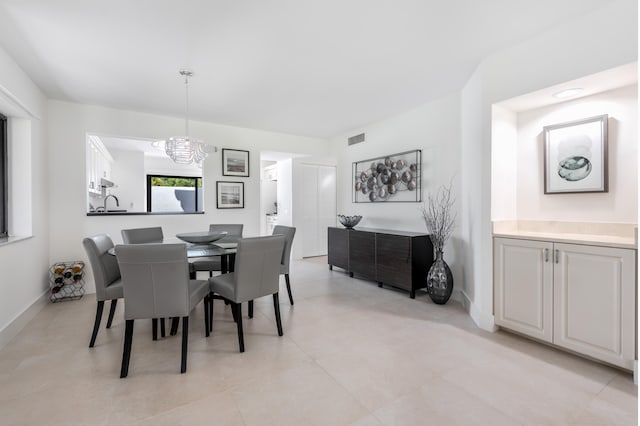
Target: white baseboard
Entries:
(19, 322)
(483, 320)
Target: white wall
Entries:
(504, 164)
(591, 43)
(128, 175)
(67, 128)
(433, 128)
(24, 263)
(284, 191)
(455, 136)
(617, 205)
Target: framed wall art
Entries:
(390, 178)
(235, 162)
(229, 195)
(575, 156)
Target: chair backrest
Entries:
(104, 265)
(142, 235)
(155, 278)
(257, 266)
(234, 231)
(289, 232)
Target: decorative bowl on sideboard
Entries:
(349, 221)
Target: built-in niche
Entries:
(518, 151)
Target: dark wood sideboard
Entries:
(396, 258)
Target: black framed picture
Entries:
(230, 195)
(390, 178)
(235, 162)
(575, 156)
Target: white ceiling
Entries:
(315, 68)
(614, 78)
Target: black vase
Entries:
(439, 280)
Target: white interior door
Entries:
(318, 207)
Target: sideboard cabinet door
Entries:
(338, 240)
(362, 253)
(393, 257)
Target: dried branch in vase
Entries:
(438, 216)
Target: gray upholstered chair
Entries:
(257, 274)
(145, 236)
(106, 275)
(142, 235)
(289, 232)
(234, 231)
(156, 284)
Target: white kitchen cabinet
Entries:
(98, 164)
(523, 287)
(579, 297)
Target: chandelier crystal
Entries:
(182, 149)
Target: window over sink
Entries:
(174, 194)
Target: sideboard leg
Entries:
(412, 294)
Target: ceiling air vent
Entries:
(356, 139)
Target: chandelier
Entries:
(183, 149)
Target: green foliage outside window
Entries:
(176, 181)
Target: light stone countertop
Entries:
(619, 235)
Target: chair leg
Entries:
(175, 321)
(210, 325)
(162, 331)
(126, 353)
(234, 312)
(211, 299)
(237, 307)
(185, 339)
(276, 308)
(112, 310)
(154, 328)
(206, 315)
(96, 324)
(250, 308)
(286, 278)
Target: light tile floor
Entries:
(351, 353)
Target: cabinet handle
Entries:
(546, 255)
(557, 255)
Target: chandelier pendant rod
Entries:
(186, 74)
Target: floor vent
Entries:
(356, 139)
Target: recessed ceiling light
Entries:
(568, 93)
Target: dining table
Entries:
(225, 248)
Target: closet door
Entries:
(318, 207)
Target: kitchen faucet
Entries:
(107, 197)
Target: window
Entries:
(4, 174)
(174, 194)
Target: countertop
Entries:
(619, 235)
(137, 213)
